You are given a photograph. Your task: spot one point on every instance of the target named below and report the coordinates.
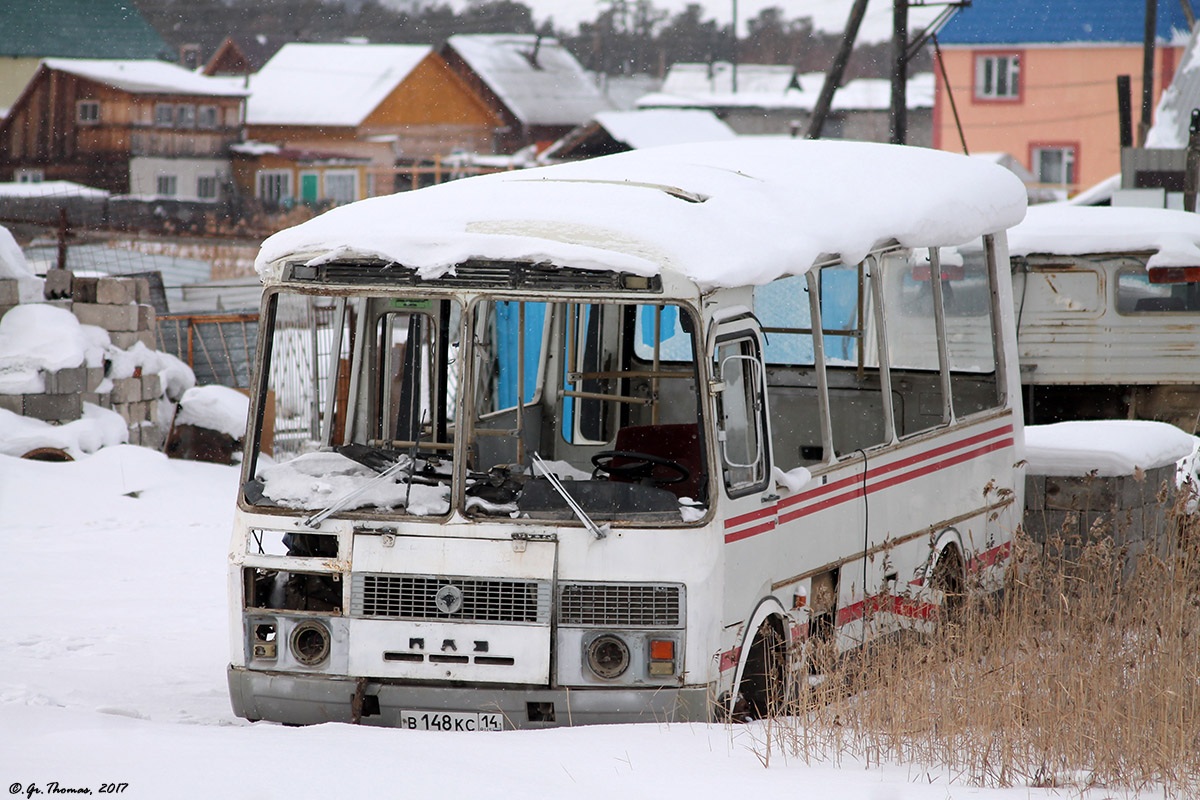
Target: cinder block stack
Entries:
(122, 307)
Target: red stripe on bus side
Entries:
(733, 522)
(748, 532)
(901, 464)
(871, 488)
(729, 659)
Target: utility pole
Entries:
(734, 58)
(836, 70)
(899, 113)
(1148, 70)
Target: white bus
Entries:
(579, 444)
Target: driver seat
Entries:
(678, 442)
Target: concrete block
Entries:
(53, 407)
(10, 292)
(151, 387)
(149, 339)
(95, 377)
(67, 381)
(127, 390)
(66, 304)
(123, 410)
(143, 291)
(135, 434)
(12, 402)
(123, 339)
(146, 318)
(151, 411)
(116, 291)
(104, 400)
(83, 290)
(109, 317)
(153, 436)
(58, 284)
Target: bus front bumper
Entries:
(313, 699)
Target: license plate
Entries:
(450, 721)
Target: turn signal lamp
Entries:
(662, 657)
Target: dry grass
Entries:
(1076, 675)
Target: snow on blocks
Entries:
(1103, 478)
(92, 373)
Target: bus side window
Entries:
(793, 390)
(971, 333)
(918, 401)
(856, 404)
(740, 415)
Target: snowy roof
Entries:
(1062, 229)
(144, 76)
(719, 213)
(650, 127)
(717, 78)
(864, 94)
(56, 189)
(1106, 447)
(328, 84)
(551, 89)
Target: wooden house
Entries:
(532, 83)
(129, 127)
(278, 176)
(394, 104)
(31, 30)
(242, 55)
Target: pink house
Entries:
(1038, 79)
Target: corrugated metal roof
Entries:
(1059, 21)
(539, 81)
(77, 29)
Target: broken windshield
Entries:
(363, 399)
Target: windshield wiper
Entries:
(599, 531)
(315, 520)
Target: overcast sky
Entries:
(829, 15)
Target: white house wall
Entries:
(144, 172)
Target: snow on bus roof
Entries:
(1060, 229)
(720, 213)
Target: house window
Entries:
(206, 117)
(998, 77)
(206, 187)
(185, 116)
(87, 112)
(29, 175)
(274, 185)
(1054, 165)
(167, 185)
(341, 186)
(164, 115)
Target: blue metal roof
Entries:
(1054, 21)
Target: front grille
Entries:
(618, 605)
(473, 275)
(483, 599)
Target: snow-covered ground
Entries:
(112, 671)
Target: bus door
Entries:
(745, 489)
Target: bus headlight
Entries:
(608, 656)
(310, 643)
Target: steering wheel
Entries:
(640, 466)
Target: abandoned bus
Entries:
(1108, 313)
(577, 444)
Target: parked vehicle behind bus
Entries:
(594, 442)
(1108, 313)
